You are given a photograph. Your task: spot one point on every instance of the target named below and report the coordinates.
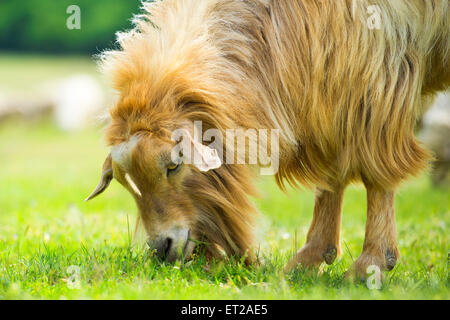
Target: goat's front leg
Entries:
(322, 241)
(380, 243)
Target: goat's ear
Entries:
(205, 158)
(201, 156)
(193, 152)
(105, 179)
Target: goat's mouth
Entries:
(182, 253)
(188, 249)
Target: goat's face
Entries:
(157, 178)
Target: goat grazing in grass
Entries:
(342, 81)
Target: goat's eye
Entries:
(172, 168)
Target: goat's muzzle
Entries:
(173, 244)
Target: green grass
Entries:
(45, 227)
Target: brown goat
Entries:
(343, 91)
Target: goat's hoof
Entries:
(330, 255)
(361, 268)
(391, 260)
(307, 257)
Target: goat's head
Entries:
(184, 194)
(164, 89)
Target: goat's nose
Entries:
(171, 245)
(167, 245)
(163, 247)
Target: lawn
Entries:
(53, 245)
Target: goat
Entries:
(343, 84)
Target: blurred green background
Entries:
(40, 25)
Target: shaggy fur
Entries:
(346, 98)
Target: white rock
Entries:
(436, 136)
(78, 101)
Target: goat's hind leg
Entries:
(322, 241)
(380, 243)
